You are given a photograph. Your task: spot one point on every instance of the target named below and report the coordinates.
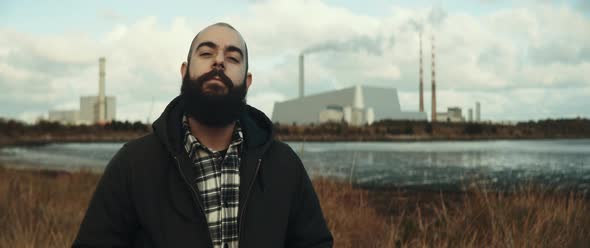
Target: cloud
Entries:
(515, 58)
(36, 71)
(110, 15)
(265, 100)
(436, 16)
(40, 73)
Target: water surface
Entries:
(560, 163)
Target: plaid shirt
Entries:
(218, 181)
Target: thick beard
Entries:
(213, 110)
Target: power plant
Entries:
(363, 104)
(356, 105)
(93, 109)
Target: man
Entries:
(211, 173)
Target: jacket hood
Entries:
(256, 127)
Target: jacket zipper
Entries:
(246, 202)
(194, 194)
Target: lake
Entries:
(432, 165)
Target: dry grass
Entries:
(44, 209)
(531, 217)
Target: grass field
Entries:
(44, 209)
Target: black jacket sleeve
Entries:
(307, 226)
(110, 220)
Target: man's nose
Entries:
(219, 62)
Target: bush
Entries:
(428, 128)
(473, 128)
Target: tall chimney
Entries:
(301, 76)
(421, 78)
(433, 84)
(477, 112)
(101, 90)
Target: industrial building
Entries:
(89, 112)
(356, 105)
(70, 117)
(93, 109)
(453, 114)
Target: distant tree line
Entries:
(13, 127)
(550, 128)
(534, 129)
(557, 126)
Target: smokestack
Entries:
(101, 90)
(301, 76)
(433, 84)
(421, 79)
(477, 112)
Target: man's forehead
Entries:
(221, 35)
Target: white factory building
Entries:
(357, 105)
(88, 113)
(453, 114)
(71, 117)
(93, 109)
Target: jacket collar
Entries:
(258, 136)
(257, 127)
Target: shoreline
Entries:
(38, 168)
(381, 190)
(28, 166)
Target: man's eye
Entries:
(205, 54)
(235, 60)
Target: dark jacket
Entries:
(145, 197)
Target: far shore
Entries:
(16, 133)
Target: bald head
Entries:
(219, 24)
(218, 47)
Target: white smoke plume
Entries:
(373, 46)
(416, 25)
(435, 17)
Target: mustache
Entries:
(212, 74)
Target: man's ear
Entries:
(248, 80)
(183, 69)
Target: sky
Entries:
(522, 60)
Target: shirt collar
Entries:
(190, 139)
